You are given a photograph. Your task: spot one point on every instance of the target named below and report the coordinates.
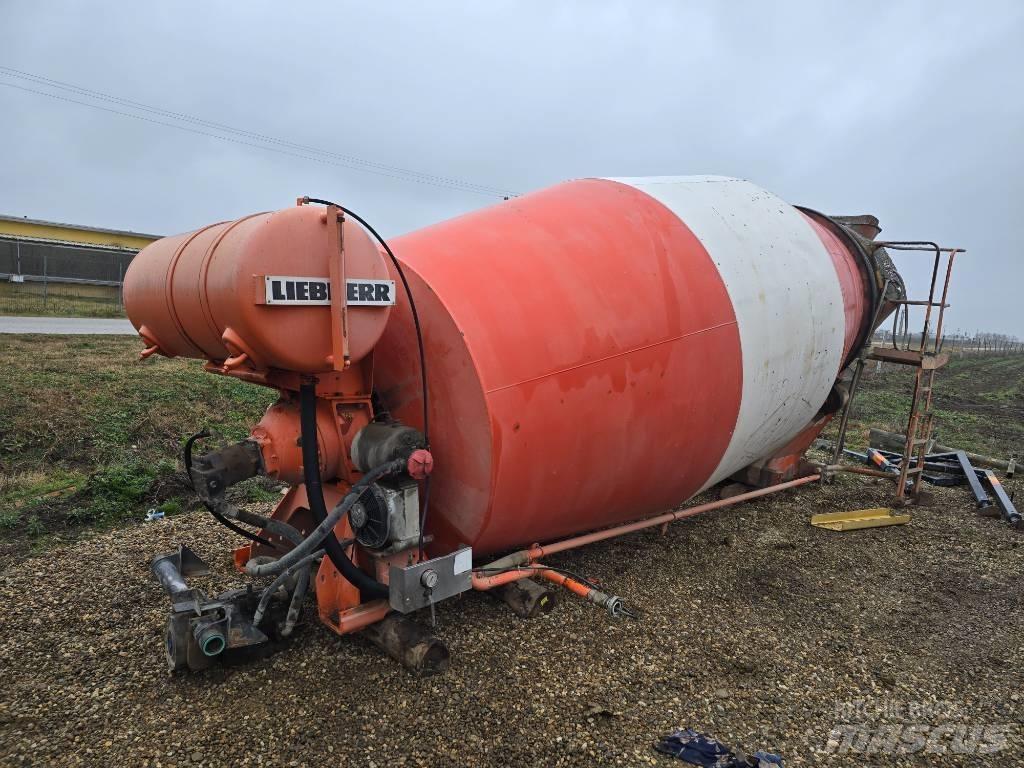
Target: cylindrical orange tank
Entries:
(597, 352)
(204, 294)
(605, 349)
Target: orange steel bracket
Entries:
(242, 555)
(339, 603)
(335, 595)
(787, 462)
(339, 300)
(358, 617)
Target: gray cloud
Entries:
(910, 111)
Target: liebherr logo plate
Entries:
(313, 291)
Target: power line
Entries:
(99, 95)
(259, 141)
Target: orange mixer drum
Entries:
(596, 352)
(257, 290)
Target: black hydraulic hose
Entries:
(408, 292)
(268, 524)
(295, 604)
(187, 458)
(419, 344)
(268, 593)
(316, 538)
(368, 586)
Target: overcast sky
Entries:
(911, 111)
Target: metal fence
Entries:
(996, 344)
(960, 344)
(56, 279)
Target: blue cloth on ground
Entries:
(703, 750)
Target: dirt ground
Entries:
(757, 628)
(877, 647)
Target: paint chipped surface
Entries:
(786, 296)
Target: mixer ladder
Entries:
(926, 358)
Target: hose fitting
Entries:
(210, 636)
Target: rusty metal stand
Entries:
(925, 359)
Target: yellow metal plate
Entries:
(858, 518)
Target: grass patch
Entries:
(34, 527)
(172, 507)
(978, 404)
(117, 491)
(26, 489)
(258, 491)
(31, 305)
(91, 436)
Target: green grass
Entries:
(90, 435)
(254, 493)
(116, 491)
(978, 404)
(58, 306)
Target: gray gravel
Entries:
(756, 627)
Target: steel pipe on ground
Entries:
(517, 562)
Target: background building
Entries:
(63, 269)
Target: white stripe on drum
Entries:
(786, 297)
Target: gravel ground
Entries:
(757, 628)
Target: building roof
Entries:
(36, 230)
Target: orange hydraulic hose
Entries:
(524, 557)
(525, 571)
(498, 579)
(615, 606)
(568, 582)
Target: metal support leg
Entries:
(972, 480)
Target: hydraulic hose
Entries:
(268, 524)
(419, 344)
(303, 564)
(187, 459)
(367, 585)
(325, 529)
(295, 606)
